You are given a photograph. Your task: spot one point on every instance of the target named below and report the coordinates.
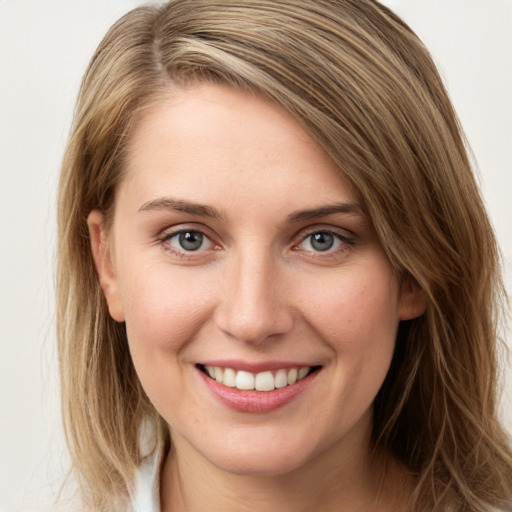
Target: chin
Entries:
(259, 464)
(259, 455)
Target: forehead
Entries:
(206, 140)
(202, 112)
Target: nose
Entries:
(253, 307)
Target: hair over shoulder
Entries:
(364, 86)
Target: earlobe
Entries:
(104, 264)
(413, 300)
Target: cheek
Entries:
(163, 308)
(163, 314)
(355, 309)
(357, 318)
(356, 315)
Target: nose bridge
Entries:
(253, 307)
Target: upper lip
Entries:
(253, 366)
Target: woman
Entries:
(278, 286)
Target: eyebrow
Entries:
(201, 210)
(324, 211)
(179, 205)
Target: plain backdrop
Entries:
(44, 48)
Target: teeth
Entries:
(244, 380)
(281, 379)
(219, 374)
(229, 378)
(263, 381)
(211, 371)
(292, 376)
(300, 375)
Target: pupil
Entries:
(191, 240)
(322, 241)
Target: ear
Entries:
(413, 301)
(104, 264)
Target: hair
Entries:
(363, 85)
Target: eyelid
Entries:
(344, 236)
(343, 233)
(166, 234)
(183, 227)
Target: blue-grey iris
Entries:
(322, 241)
(191, 240)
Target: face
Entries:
(239, 258)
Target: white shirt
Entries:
(146, 493)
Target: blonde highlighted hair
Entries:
(364, 86)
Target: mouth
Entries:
(264, 381)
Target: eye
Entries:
(324, 242)
(188, 240)
(321, 241)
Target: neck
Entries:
(342, 481)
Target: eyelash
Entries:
(344, 243)
(166, 238)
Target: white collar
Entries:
(145, 496)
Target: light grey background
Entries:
(44, 48)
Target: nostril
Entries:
(252, 309)
(256, 326)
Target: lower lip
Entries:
(257, 401)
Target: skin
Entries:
(257, 290)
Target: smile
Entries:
(262, 381)
(261, 391)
